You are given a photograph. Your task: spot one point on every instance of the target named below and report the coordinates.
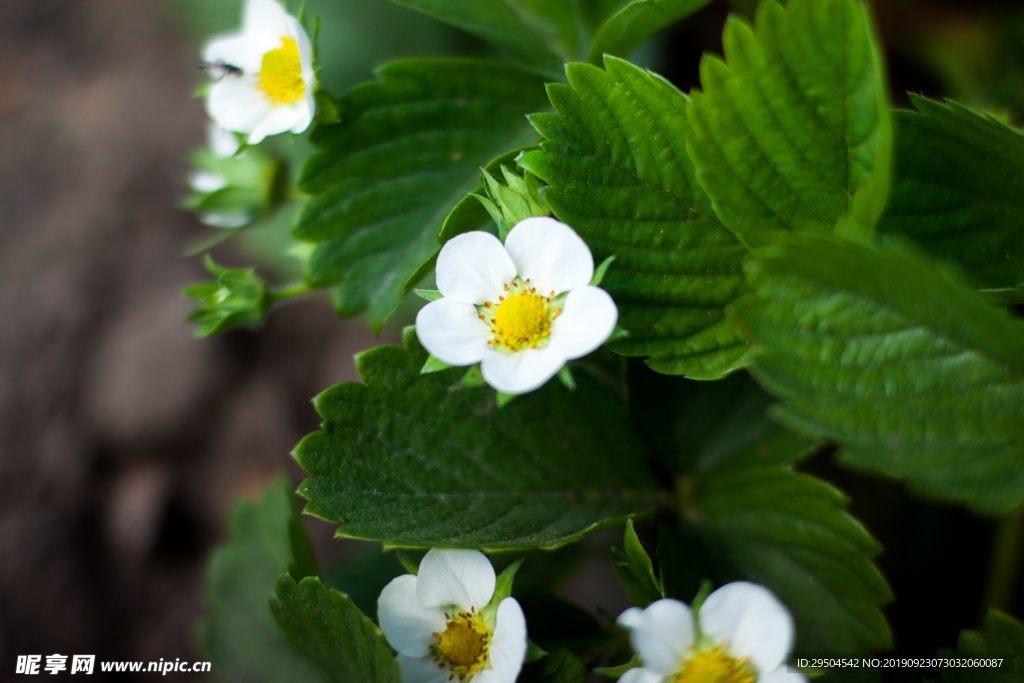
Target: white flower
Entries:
(443, 626)
(521, 309)
(741, 634)
(264, 74)
(223, 144)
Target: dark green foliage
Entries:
(404, 460)
(614, 157)
(958, 189)
(409, 147)
(912, 373)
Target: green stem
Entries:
(285, 293)
(1007, 552)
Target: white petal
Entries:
(206, 181)
(473, 268)
(422, 670)
(751, 621)
(235, 103)
(224, 220)
(235, 49)
(222, 142)
(523, 371)
(660, 634)
(641, 676)
(587, 320)
(264, 24)
(407, 625)
(550, 254)
(279, 119)
(452, 332)
(781, 675)
(305, 51)
(508, 644)
(464, 578)
(304, 111)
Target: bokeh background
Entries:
(124, 441)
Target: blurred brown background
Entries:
(123, 440)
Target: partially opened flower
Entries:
(521, 309)
(443, 625)
(264, 74)
(741, 634)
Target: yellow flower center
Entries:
(521, 319)
(463, 645)
(715, 666)
(280, 76)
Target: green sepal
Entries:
(410, 565)
(238, 298)
(472, 379)
(566, 378)
(636, 571)
(428, 294)
(600, 271)
(515, 197)
(616, 671)
(433, 364)
(504, 399)
(253, 187)
(534, 652)
(502, 589)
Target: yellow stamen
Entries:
(463, 646)
(715, 666)
(280, 76)
(521, 320)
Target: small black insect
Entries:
(220, 69)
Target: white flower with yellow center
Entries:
(521, 309)
(264, 74)
(443, 626)
(741, 634)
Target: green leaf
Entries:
(332, 632)
(404, 460)
(539, 33)
(793, 130)
(635, 569)
(1002, 638)
(638, 21)
(747, 515)
(408, 150)
(912, 373)
(239, 635)
(958, 189)
(615, 160)
(561, 666)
